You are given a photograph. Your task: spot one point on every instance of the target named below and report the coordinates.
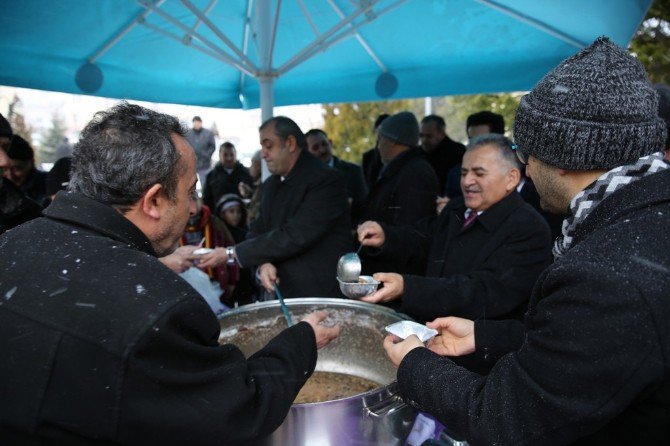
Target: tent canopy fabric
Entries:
(209, 52)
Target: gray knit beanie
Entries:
(402, 128)
(596, 110)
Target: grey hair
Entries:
(256, 158)
(124, 151)
(503, 144)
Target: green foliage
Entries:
(651, 42)
(456, 109)
(350, 125)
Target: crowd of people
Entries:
(541, 262)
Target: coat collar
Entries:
(493, 217)
(77, 209)
(305, 159)
(397, 163)
(643, 193)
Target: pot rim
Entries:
(332, 301)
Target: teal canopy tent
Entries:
(251, 53)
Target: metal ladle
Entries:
(349, 266)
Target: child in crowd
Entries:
(231, 210)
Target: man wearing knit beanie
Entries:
(590, 364)
(406, 188)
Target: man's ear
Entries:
(291, 143)
(152, 202)
(514, 176)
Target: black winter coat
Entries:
(371, 164)
(594, 364)
(357, 191)
(102, 343)
(444, 157)
(303, 229)
(15, 206)
(485, 271)
(404, 194)
(219, 182)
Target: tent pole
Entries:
(265, 77)
(427, 106)
(267, 96)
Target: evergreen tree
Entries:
(651, 43)
(350, 125)
(53, 136)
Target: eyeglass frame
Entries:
(522, 157)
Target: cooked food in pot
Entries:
(326, 386)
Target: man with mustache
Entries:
(483, 253)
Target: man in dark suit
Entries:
(303, 226)
(226, 176)
(482, 255)
(442, 152)
(321, 147)
(480, 123)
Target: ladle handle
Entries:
(284, 309)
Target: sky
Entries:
(238, 126)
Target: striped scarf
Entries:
(609, 182)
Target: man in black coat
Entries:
(303, 226)
(592, 366)
(107, 345)
(15, 206)
(482, 255)
(225, 177)
(321, 147)
(22, 171)
(406, 189)
(442, 152)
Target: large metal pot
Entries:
(377, 417)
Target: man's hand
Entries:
(370, 233)
(394, 286)
(213, 259)
(440, 203)
(322, 333)
(456, 336)
(181, 259)
(397, 349)
(244, 189)
(267, 272)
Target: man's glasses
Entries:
(522, 157)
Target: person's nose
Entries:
(192, 209)
(468, 179)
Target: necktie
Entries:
(469, 220)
